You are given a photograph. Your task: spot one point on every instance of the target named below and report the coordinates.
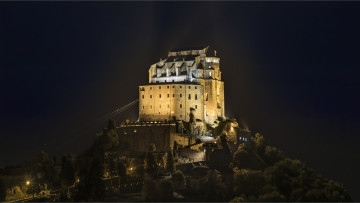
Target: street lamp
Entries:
(27, 182)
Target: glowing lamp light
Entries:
(27, 182)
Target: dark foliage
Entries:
(280, 178)
(2, 190)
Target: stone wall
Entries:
(160, 102)
(138, 136)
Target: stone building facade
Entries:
(184, 93)
(188, 80)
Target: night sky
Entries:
(291, 72)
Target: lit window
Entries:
(180, 105)
(134, 130)
(210, 73)
(150, 96)
(195, 96)
(245, 139)
(159, 95)
(168, 95)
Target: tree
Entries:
(96, 177)
(111, 124)
(150, 164)
(169, 165)
(272, 197)
(165, 190)
(121, 170)
(258, 144)
(179, 180)
(2, 190)
(149, 189)
(248, 182)
(212, 187)
(67, 174)
(227, 156)
(175, 148)
(242, 157)
(272, 155)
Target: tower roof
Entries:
(189, 48)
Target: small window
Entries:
(142, 96)
(180, 95)
(165, 81)
(168, 87)
(195, 106)
(210, 73)
(168, 95)
(189, 97)
(173, 85)
(159, 87)
(180, 115)
(135, 131)
(173, 95)
(195, 96)
(189, 87)
(168, 105)
(150, 96)
(160, 106)
(195, 87)
(180, 86)
(159, 95)
(143, 107)
(180, 105)
(150, 106)
(151, 88)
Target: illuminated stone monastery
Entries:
(182, 99)
(187, 81)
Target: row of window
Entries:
(168, 95)
(243, 138)
(168, 106)
(172, 87)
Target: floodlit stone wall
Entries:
(160, 102)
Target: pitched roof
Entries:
(200, 66)
(189, 48)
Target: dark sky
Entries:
(291, 72)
